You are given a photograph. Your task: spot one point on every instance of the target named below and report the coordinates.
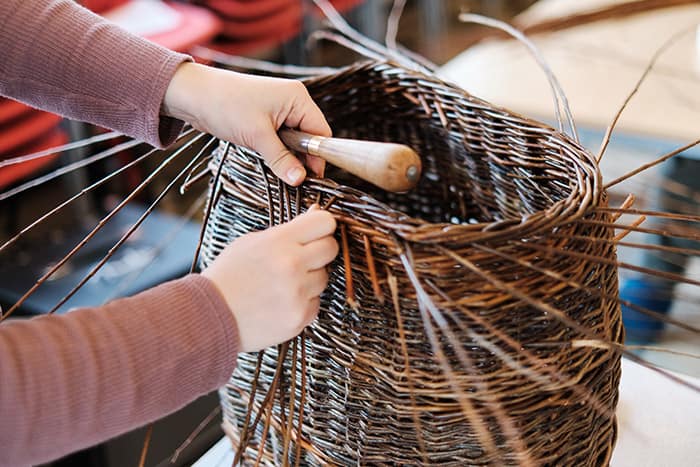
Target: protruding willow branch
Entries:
(653, 163)
(64, 147)
(668, 43)
(557, 91)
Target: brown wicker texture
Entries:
(450, 331)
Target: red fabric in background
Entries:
(10, 110)
(250, 25)
(24, 130)
(100, 6)
(197, 26)
(15, 172)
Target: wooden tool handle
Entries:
(393, 167)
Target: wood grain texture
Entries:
(393, 167)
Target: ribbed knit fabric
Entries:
(71, 381)
(58, 56)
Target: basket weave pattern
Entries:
(487, 253)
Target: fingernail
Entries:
(314, 207)
(295, 175)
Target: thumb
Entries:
(281, 160)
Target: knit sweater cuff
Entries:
(162, 130)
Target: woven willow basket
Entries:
(448, 334)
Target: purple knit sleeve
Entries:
(60, 57)
(71, 381)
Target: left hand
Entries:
(272, 280)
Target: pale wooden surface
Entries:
(597, 65)
(652, 432)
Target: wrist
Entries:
(179, 98)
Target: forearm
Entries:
(60, 57)
(71, 381)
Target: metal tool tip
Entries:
(412, 174)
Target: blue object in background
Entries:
(160, 250)
(654, 295)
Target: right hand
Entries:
(272, 280)
(248, 110)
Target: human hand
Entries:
(247, 110)
(272, 280)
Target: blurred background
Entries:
(597, 48)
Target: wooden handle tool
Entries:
(393, 167)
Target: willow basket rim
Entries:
(584, 190)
